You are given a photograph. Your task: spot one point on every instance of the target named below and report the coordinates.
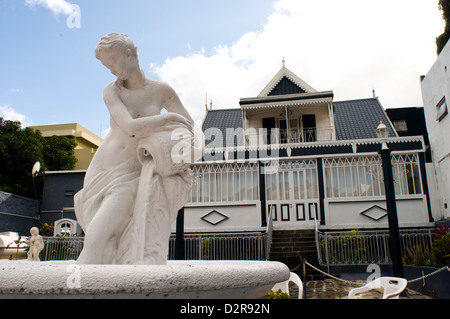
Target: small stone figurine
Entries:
(36, 245)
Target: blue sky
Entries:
(223, 49)
(49, 73)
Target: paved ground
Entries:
(335, 289)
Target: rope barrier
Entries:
(354, 283)
(429, 275)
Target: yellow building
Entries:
(87, 142)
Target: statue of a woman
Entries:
(36, 245)
(136, 182)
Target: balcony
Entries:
(275, 136)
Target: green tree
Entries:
(21, 148)
(444, 6)
(59, 153)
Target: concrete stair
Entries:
(292, 246)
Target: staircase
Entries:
(292, 246)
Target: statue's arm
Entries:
(173, 104)
(138, 127)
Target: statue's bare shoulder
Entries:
(110, 91)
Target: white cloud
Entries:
(56, 6)
(347, 46)
(8, 113)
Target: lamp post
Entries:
(394, 234)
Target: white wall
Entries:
(241, 217)
(319, 110)
(347, 214)
(435, 86)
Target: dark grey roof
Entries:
(358, 119)
(223, 128)
(354, 119)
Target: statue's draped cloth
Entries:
(157, 191)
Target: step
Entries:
(291, 234)
(291, 249)
(292, 246)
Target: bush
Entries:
(418, 256)
(351, 247)
(441, 249)
(431, 257)
(279, 294)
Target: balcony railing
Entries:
(283, 136)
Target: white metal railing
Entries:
(204, 246)
(61, 247)
(283, 136)
(366, 247)
(223, 246)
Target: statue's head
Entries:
(118, 53)
(34, 231)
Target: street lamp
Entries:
(383, 134)
(394, 234)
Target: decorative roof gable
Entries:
(286, 82)
(286, 86)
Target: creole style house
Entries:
(294, 156)
(298, 156)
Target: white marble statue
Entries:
(139, 177)
(36, 245)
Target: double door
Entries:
(297, 215)
(292, 195)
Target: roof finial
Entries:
(284, 62)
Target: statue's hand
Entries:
(173, 120)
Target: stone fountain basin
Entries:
(176, 280)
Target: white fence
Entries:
(220, 246)
(366, 247)
(61, 248)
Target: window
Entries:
(284, 138)
(293, 133)
(400, 126)
(441, 109)
(363, 176)
(225, 183)
(66, 228)
(353, 177)
(294, 180)
(405, 169)
(309, 128)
